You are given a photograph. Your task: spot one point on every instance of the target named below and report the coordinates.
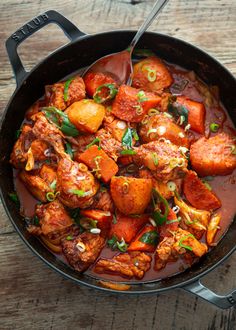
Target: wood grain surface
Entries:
(33, 296)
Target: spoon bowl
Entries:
(119, 65)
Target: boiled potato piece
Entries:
(131, 195)
(86, 115)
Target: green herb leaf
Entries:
(18, 133)
(75, 214)
(135, 134)
(96, 140)
(69, 238)
(150, 237)
(13, 196)
(127, 138)
(69, 150)
(35, 221)
(66, 88)
(112, 242)
(177, 110)
(158, 216)
(141, 96)
(61, 120)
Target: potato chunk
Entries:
(131, 195)
(86, 115)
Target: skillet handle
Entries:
(200, 290)
(37, 23)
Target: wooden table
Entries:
(35, 297)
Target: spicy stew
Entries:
(127, 182)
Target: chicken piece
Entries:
(198, 194)
(180, 243)
(111, 146)
(36, 185)
(164, 159)
(195, 220)
(19, 154)
(53, 219)
(34, 109)
(213, 156)
(132, 264)
(56, 95)
(103, 201)
(83, 250)
(76, 184)
(160, 186)
(151, 74)
(48, 174)
(49, 133)
(212, 229)
(160, 126)
(115, 127)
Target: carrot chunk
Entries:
(97, 160)
(132, 104)
(103, 218)
(198, 194)
(146, 240)
(127, 227)
(93, 80)
(196, 114)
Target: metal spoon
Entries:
(119, 65)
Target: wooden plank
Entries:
(35, 297)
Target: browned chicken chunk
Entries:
(109, 144)
(180, 243)
(76, 184)
(19, 154)
(49, 133)
(83, 250)
(132, 264)
(56, 96)
(103, 201)
(163, 158)
(53, 219)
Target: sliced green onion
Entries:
(35, 220)
(168, 222)
(77, 192)
(128, 152)
(96, 140)
(112, 93)
(69, 238)
(114, 244)
(69, 150)
(207, 185)
(183, 245)
(155, 158)
(18, 133)
(171, 186)
(214, 127)
(153, 112)
(143, 52)
(50, 196)
(139, 109)
(66, 88)
(151, 130)
(53, 184)
(150, 237)
(141, 96)
(232, 149)
(152, 75)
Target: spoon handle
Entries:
(158, 6)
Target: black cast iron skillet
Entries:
(81, 51)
